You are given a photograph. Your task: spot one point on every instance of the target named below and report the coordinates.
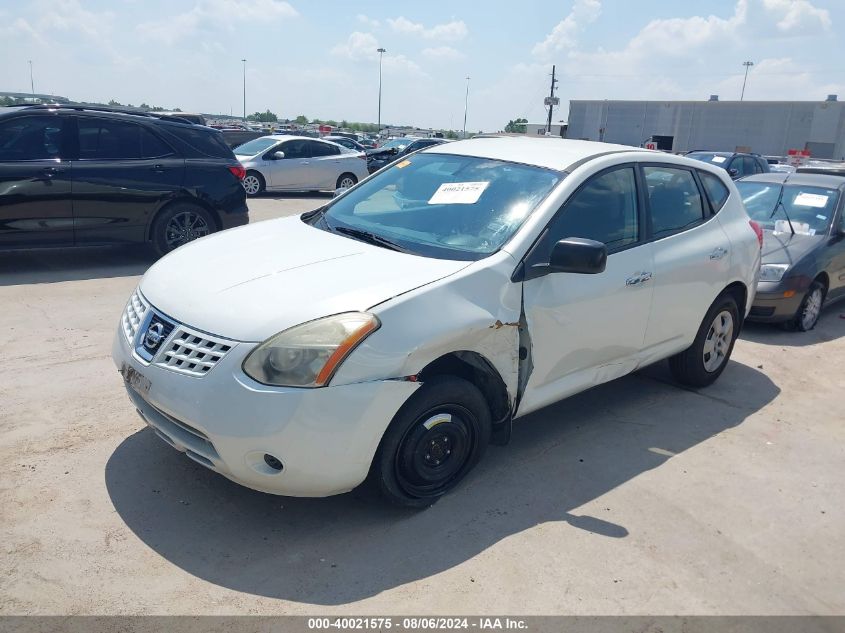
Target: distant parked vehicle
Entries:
(378, 158)
(298, 163)
(238, 136)
(736, 164)
(197, 119)
(79, 175)
(347, 142)
(803, 246)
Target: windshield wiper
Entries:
(370, 238)
(779, 203)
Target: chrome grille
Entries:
(132, 315)
(191, 352)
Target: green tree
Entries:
(263, 117)
(301, 119)
(451, 134)
(114, 103)
(517, 126)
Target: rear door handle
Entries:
(719, 253)
(157, 168)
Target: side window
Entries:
(674, 200)
(30, 138)
(103, 139)
(604, 209)
(749, 165)
(294, 149)
(737, 165)
(152, 146)
(716, 190)
(323, 149)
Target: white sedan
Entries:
(403, 326)
(298, 163)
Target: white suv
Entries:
(297, 356)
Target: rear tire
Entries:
(810, 310)
(345, 181)
(179, 224)
(253, 184)
(434, 440)
(705, 360)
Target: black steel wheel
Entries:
(436, 438)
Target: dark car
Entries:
(187, 116)
(803, 244)
(85, 176)
(736, 164)
(346, 142)
(396, 149)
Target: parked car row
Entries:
(394, 332)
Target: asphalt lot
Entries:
(637, 497)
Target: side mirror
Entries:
(394, 150)
(578, 255)
(278, 155)
(733, 173)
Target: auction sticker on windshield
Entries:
(458, 192)
(810, 200)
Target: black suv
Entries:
(78, 175)
(736, 164)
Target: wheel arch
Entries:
(478, 370)
(739, 291)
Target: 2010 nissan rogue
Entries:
(398, 329)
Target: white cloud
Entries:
(442, 53)
(209, 15)
(368, 21)
(449, 31)
(798, 15)
(565, 34)
(363, 47)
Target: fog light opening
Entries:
(273, 462)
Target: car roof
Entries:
(543, 151)
(710, 151)
(828, 181)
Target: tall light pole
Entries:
(381, 52)
(747, 65)
(31, 82)
(466, 104)
(244, 61)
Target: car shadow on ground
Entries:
(49, 265)
(346, 548)
(293, 195)
(830, 327)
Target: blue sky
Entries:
(318, 58)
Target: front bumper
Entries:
(771, 305)
(325, 438)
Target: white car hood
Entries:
(251, 282)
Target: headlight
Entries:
(307, 355)
(772, 272)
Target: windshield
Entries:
(398, 143)
(256, 146)
(709, 157)
(442, 205)
(809, 208)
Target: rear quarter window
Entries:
(715, 189)
(205, 141)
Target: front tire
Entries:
(434, 440)
(810, 309)
(179, 224)
(705, 360)
(254, 184)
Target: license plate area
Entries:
(135, 379)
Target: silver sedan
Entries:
(296, 163)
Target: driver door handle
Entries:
(639, 278)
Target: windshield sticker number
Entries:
(810, 200)
(403, 164)
(458, 192)
(719, 159)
